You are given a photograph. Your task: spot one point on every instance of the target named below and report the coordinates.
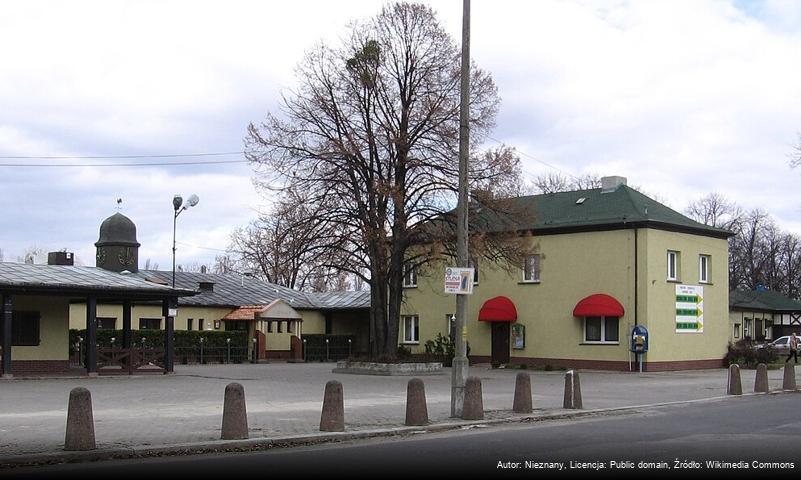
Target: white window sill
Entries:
(525, 282)
(599, 343)
(410, 343)
(410, 286)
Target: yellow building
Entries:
(599, 262)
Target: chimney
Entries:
(60, 258)
(610, 184)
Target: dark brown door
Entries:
(500, 342)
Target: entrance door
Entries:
(500, 342)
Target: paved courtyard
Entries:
(286, 399)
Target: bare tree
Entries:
(224, 264)
(370, 136)
(151, 265)
(288, 245)
(716, 211)
(556, 182)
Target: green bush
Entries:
(443, 349)
(745, 354)
(155, 338)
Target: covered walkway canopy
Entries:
(35, 283)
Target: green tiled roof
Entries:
(767, 301)
(598, 209)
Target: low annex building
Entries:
(599, 262)
(762, 315)
(275, 317)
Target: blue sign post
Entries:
(639, 342)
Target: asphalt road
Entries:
(748, 432)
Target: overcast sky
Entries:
(683, 98)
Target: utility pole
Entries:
(460, 362)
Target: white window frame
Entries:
(704, 262)
(603, 340)
(747, 327)
(736, 332)
(414, 338)
(674, 256)
(530, 272)
(409, 275)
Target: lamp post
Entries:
(179, 206)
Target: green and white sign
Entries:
(689, 309)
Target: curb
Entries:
(265, 443)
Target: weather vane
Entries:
(119, 204)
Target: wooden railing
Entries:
(130, 359)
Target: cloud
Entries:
(682, 97)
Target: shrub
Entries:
(443, 349)
(745, 354)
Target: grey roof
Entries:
(339, 300)
(234, 290)
(23, 276)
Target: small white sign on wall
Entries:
(459, 281)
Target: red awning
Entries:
(498, 309)
(598, 305)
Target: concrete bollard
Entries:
(789, 377)
(235, 416)
(473, 408)
(522, 402)
(572, 398)
(761, 380)
(735, 386)
(416, 409)
(333, 416)
(80, 421)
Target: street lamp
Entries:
(179, 206)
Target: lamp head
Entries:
(192, 200)
(177, 200)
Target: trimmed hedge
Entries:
(746, 355)
(155, 338)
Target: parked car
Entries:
(781, 345)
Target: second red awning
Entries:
(598, 305)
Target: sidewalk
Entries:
(284, 402)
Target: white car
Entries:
(780, 345)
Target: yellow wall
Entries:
(208, 314)
(53, 331)
(574, 266)
(657, 312)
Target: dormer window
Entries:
(206, 286)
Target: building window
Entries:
(703, 268)
(201, 325)
(106, 323)
(189, 322)
(736, 330)
(237, 325)
(768, 329)
(149, 324)
(531, 268)
(672, 265)
(24, 329)
(747, 328)
(216, 324)
(279, 326)
(411, 324)
(409, 275)
(270, 327)
(601, 330)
